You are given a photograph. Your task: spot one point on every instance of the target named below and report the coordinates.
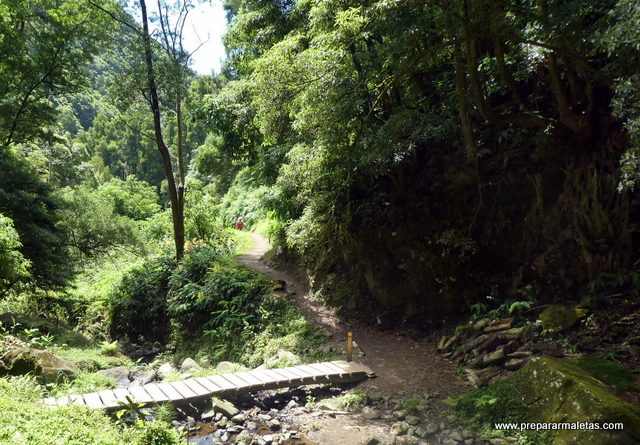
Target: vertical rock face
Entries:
(558, 391)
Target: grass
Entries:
(91, 358)
(23, 420)
(350, 401)
(609, 372)
(84, 382)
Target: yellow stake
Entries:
(349, 346)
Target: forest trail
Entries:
(404, 367)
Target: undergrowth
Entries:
(610, 372)
(481, 408)
(23, 420)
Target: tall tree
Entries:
(163, 80)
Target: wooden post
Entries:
(349, 346)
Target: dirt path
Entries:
(404, 367)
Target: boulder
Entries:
(282, 359)
(225, 407)
(228, 367)
(558, 391)
(119, 374)
(141, 375)
(46, 366)
(189, 364)
(558, 317)
(165, 370)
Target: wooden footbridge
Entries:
(192, 389)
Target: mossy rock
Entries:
(48, 367)
(556, 390)
(558, 317)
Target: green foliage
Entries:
(159, 289)
(35, 211)
(157, 433)
(82, 383)
(222, 300)
(608, 284)
(500, 402)
(609, 372)
(138, 303)
(94, 225)
(245, 199)
(23, 419)
(353, 400)
(46, 44)
(132, 413)
(13, 266)
(109, 348)
(91, 357)
(201, 212)
(132, 197)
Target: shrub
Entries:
(139, 302)
(222, 300)
(499, 402)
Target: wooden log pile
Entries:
(491, 350)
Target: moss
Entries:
(481, 408)
(557, 390)
(558, 317)
(609, 372)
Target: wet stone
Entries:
(412, 420)
(399, 428)
(370, 413)
(432, 428)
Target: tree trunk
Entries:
(176, 196)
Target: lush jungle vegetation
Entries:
(413, 159)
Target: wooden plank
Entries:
(51, 401)
(248, 377)
(196, 387)
(336, 369)
(287, 375)
(170, 391)
(121, 394)
(211, 387)
(76, 399)
(308, 369)
(183, 389)
(261, 375)
(343, 365)
(155, 392)
(276, 378)
(109, 398)
(323, 369)
(92, 400)
(237, 381)
(140, 395)
(297, 372)
(220, 381)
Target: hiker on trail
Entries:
(239, 224)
